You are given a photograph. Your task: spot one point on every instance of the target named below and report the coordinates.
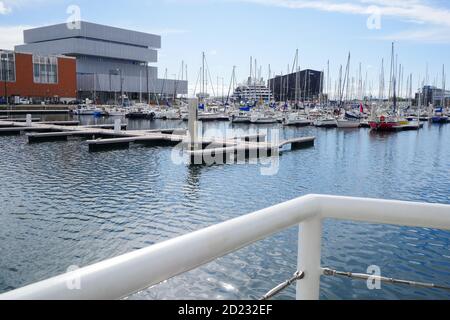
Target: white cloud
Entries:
(11, 36)
(212, 52)
(430, 35)
(433, 19)
(415, 10)
(167, 31)
(7, 6)
(3, 8)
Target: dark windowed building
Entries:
(433, 95)
(306, 85)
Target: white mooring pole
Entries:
(29, 121)
(309, 259)
(117, 126)
(193, 123)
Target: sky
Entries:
(230, 31)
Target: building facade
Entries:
(434, 96)
(37, 77)
(252, 92)
(306, 85)
(110, 62)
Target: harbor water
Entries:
(62, 206)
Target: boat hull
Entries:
(139, 115)
(211, 119)
(300, 123)
(348, 124)
(326, 124)
(241, 120)
(264, 121)
(440, 119)
(383, 126)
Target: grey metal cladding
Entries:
(78, 46)
(105, 66)
(107, 83)
(94, 31)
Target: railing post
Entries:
(309, 259)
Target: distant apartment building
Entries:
(252, 91)
(306, 85)
(109, 61)
(40, 77)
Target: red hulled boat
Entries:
(384, 124)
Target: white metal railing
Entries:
(127, 274)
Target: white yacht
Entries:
(263, 118)
(328, 122)
(241, 117)
(212, 113)
(348, 124)
(295, 119)
(88, 110)
(117, 112)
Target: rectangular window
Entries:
(7, 66)
(45, 69)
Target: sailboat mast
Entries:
(360, 93)
(203, 76)
(382, 84)
(443, 86)
(328, 82)
(391, 73)
(254, 82)
(394, 80)
(340, 86)
(268, 84)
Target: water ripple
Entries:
(63, 206)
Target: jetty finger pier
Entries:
(116, 136)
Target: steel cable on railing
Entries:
(365, 277)
(299, 275)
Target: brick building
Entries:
(37, 77)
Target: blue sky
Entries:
(230, 31)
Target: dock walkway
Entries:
(115, 136)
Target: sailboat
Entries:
(439, 113)
(343, 122)
(386, 121)
(242, 116)
(328, 122)
(263, 118)
(348, 124)
(296, 119)
(439, 116)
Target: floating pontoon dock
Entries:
(115, 136)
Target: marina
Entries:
(187, 156)
(116, 138)
(315, 167)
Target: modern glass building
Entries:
(306, 85)
(110, 61)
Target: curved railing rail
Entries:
(130, 273)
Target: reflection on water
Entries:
(63, 206)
